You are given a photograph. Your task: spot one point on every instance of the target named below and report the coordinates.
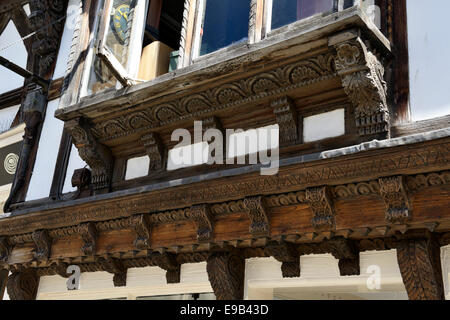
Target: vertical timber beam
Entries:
(23, 285)
(3, 281)
(419, 260)
(226, 271)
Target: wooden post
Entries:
(3, 280)
(226, 271)
(23, 285)
(420, 266)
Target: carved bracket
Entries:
(204, 220)
(88, 233)
(362, 77)
(43, 244)
(288, 255)
(420, 265)
(23, 285)
(395, 197)
(320, 202)
(143, 228)
(259, 216)
(348, 255)
(169, 263)
(155, 151)
(5, 249)
(96, 155)
(284, 110)
(226, 272)
(117, 268)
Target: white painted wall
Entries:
(137, 167)
(324, 125)
(47, 154)
(429, 49)
(7, 116)
(13, 49)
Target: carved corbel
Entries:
(259, 216)
(60, 268)
(284, 110)
(23, 285)
(143, 228)
(322, 206)
(204, 220)
(117, 268)
(362, 76)
(396, 199)
(348, 255)
(43, 244)
(96, 155)
(420, 266)
(288, 255)
(168, 262)
(211, 127)
(155, 151)
(5, 249)
(88, 233)
(226, 271)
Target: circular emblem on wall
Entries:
(11, 162)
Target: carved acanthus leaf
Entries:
(321, 204)
(88, 233)
(96, 155)
(363, 80)
(396, 199)
(284, 110)
(204, 220)
(259, 216)
(43, 244)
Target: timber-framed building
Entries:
(358, 183)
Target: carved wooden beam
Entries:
(395, 196)
(204, 220)
(155, 151)
(143, 228)
(96, 155)
(259, 216)
(288, 255)
(362, 76)
(3, 280)
(346, 252)
(420, 265)
(322, 206)
(168, 262)
(117, 268)
(43, 244)
(5, 249)
(23, 285)
(88, 233)
(284, 110)
(226, 271)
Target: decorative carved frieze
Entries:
(155, 151)
(169, 263)
(88, 233)
(143, 228)
(117, 268)
(396, 198)
(5, 249)
(286, 114)
(43, 245)
(226, 271)
(420, 265)
(204, 220)
(288, 255)
(259, 216)
(96, 155)
(362, 77)
(321, 204)
(23, 285)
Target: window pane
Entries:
(225, 22)
(288, 11)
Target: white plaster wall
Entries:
(13, 49)
(7, 116)
(429, 49)
(137, 167)
(44, 166)
(75, 162)
(324, 125)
